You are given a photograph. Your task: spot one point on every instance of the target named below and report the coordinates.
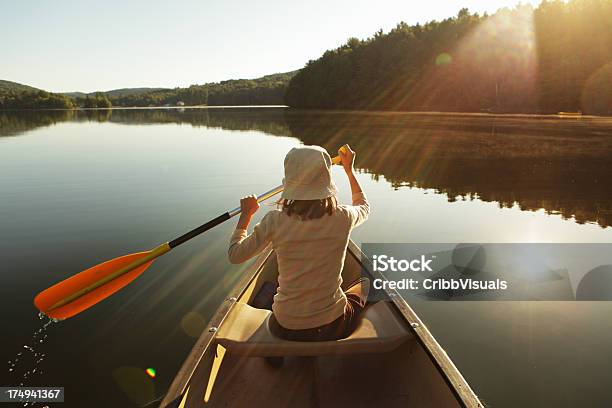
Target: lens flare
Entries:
(151, 372)
(193, 324)
(444, 59)
(135, 383)
(492, 67)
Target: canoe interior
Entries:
(405, 376)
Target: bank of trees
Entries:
(35, 100)
(574, 43)
(98, 100)
(268, 90)
(192, 96)
(556, 57)
(160, 97)
(47, 100)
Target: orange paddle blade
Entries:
(79, 292)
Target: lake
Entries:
(78, 188)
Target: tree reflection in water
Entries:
(561, 165)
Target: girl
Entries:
(309, 234)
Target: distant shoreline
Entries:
(564, 115)
(147, 107)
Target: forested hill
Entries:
(267, 90)
(556, 57)
(18, 96)
(13, 87)
(114, 93)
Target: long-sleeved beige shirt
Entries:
(310, 256)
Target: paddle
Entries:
(83, 290)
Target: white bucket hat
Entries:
(308, 174)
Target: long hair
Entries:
(309, 209)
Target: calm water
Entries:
(77, 189)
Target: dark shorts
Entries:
(340, 328)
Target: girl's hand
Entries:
(249, 205)
(348, 158)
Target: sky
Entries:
(77, 45)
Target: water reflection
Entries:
(16, 123)
(535, 162)
(73, 198)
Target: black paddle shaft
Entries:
(197, 231)
(220, 219)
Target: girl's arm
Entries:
(248, 207)
(360, 209)
(348, 159)
(243, 246)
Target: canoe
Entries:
(390, 360)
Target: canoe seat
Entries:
(246, 332)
